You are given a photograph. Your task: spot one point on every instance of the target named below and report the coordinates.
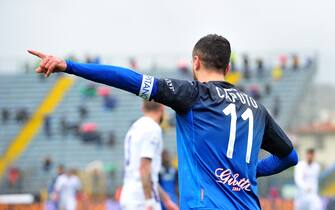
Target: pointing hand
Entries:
(49, 64)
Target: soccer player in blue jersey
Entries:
(220, 130)
(168, 178)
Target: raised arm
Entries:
(177, 94)
(279, 145)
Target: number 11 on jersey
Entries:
(247, 115)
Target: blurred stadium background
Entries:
(71, 122)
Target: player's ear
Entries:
(196, 62)
(227, 69)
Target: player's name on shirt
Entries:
(226, 177)
(233, 95)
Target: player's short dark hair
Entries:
(310, 151)
(214, 52)
(150, 106)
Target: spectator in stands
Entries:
(168, 178)
(14, 179)
(89, 91)
(47, 164)
(277, 73)
(254, 92)
(246, 67)
(295, 62)
(260, 68)
(47, 125)
(110, 102)
(90, 134)
(96, 60)
(22, 115)
(88, 59)
(63, 126)
(183, 68)
(92, 59)
(133, 63)
(283, 61)
(308, 63)
(267, 88)
(83, 112)
(306, 177)
(276, 107)
(5, 115)
(111, 139)
(74, 128)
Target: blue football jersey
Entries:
(168, 180)
(220, 131)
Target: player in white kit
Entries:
(66, 188)
(143, 147)
(306, 177)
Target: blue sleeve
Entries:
(275, 140)
(274, 164)
(142, 85)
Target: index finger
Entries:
(36, 53)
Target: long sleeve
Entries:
(177, 94)
(142, 85)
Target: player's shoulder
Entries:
(146, 124)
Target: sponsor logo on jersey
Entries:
(227, 177)
(146, 87)
(170, 85)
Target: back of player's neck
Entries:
(211, 77)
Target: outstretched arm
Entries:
(125, 79)
(177, 94)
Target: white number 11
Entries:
(247, 115)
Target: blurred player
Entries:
(306, 177)
(168, 177)
(66, 188)
(143, 148)
(220, 130)
(51, 188)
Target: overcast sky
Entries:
(167, 27)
